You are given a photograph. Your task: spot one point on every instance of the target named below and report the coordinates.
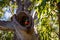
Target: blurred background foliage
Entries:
(46, 20)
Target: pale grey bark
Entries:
(6, 25)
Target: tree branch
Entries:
(19, 4)
(6, 25)
(27, 3)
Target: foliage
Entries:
(48, 28)
(5, 35)
(46, 22)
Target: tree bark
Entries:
(6, 25)
(25, 34)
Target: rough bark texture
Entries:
(6, 25)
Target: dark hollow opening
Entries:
(23, 19)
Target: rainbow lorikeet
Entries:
(25, 21)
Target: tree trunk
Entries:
(28, 34)
(24, 33)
